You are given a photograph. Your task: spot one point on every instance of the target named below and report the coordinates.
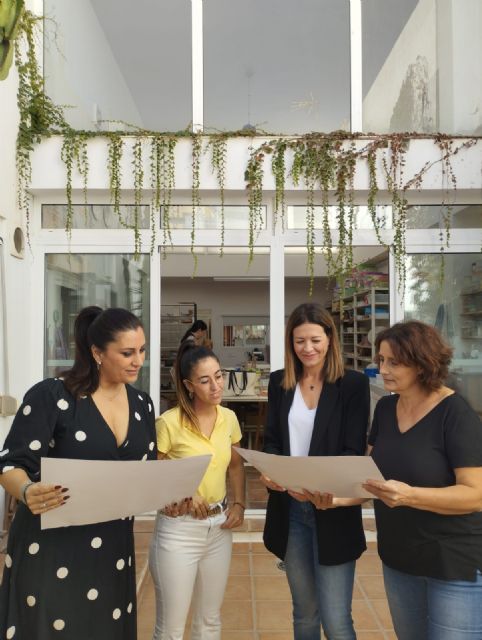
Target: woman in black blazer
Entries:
(316, 408)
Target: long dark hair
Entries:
(188, 356)
(196, 326)
(312, 313)
(94, 327)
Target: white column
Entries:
(277, 301)
(356, 86)
(155, 330)
(197, 65)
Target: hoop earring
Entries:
(191, 395)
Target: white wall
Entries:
(80, 68)
(432, 78)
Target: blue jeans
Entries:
(430, 609)
(321, 594)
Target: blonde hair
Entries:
(188, 356)
(311, 313)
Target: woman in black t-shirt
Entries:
(428, 442)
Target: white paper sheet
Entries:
(340, 475)
(102, 490)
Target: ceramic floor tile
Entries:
(239, 565)
(142, 540)
(265, 565)
(273, 615)
(256, 524)
(238, 588)
(237, 615)
(371, 586)
(258, 547)
(257, 604)
(363, 617)
(382, 612)
(369, 564)
(271, 588)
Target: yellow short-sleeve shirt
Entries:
(178, 440)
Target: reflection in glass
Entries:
(296, 217)
(74, 281)
(210, 217)
(118, 63)
(435, 216)
(230, 295)
(421, 66)
(94, 216)
(455, 308)
(277, 65)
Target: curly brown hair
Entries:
(416, 344)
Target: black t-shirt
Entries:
(419, 542)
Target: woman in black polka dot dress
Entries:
(76, 582)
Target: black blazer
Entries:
(340, 428)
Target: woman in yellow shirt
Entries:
(191, 547)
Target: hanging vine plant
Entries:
(219, 152)
(324, 165)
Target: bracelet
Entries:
(23, 492)
(240, 504)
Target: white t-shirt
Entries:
(300, 423)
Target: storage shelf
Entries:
(371, 300)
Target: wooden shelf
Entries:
(371, 300)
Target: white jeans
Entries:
(189, 560)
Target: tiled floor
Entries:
(257, 604)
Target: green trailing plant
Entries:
(278, 167)
(138, 172)
(219, 151)
(197, 145)
(11, 12)
(115, 151)
(254, 185)
(324, 164)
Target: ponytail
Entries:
(188, 356)
(93, 326)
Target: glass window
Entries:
(422, 66)
(93, 216)
(210, 217)
(434, 216)
(74, 281)
(455, 308)
(281, 66)
(116, 64)
(296, 217)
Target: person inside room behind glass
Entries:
(78, 581)
(315, 408)
(190, 553)
(427, 442)
(196, 333)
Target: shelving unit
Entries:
(363, 314)
(175, 321)
(471, 314)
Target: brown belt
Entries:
(212, 511)
(219, 508)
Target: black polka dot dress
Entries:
(76, 583)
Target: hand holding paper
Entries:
(341, 476)
(103, 490)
